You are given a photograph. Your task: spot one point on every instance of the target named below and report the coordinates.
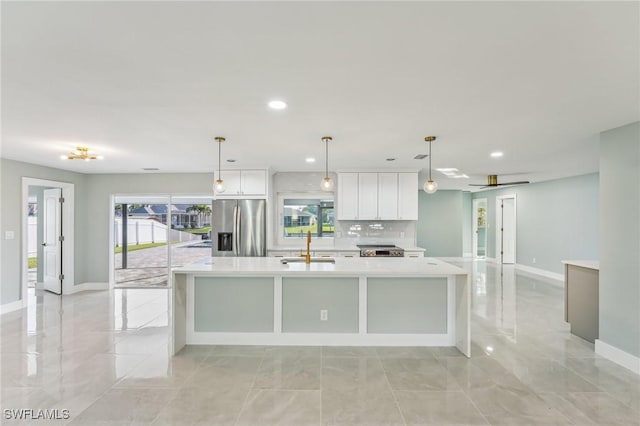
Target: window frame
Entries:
(323, 241)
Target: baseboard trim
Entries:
(89, 286)
(618, 356)
(12, 306)
(558, 278)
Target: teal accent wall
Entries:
(620, 238)
(556, 220)
(407, 305)
(439, 228)
(303, 298)
(233, 304)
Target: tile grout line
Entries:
(393, 393)
(253, 382)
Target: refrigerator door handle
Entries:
(236, 230)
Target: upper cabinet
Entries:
(244, 183)
(377, 196)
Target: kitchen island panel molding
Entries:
(358, 275)
(232, 304)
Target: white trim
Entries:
(499, 213)
(474, 226)
(12, 306)
(68, 230)
(319, 339)
(87, 287)
(620, 357)
(558, 278)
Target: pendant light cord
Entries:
(429, 160)
(326, 158)
(219, 159)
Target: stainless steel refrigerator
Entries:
(238, 228)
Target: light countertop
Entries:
(359, 266)
(590, 264)
(335, 248)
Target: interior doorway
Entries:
(506, 219)
(47, 236)
(479, 231)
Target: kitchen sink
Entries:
(286, 260)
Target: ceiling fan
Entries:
(492, 181)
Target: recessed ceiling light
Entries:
(277, 105)
(150, 169)
(391, 159)
(231, 160)
(497, 154)
(310, 160)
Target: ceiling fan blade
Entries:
(514, 183)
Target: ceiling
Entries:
(150, 84)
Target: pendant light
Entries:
(430, 186)
(218, 186)
(327, 182)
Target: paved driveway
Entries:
(148, 267)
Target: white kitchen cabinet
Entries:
(244, 183)
(347, 196)
(349, 254)
(407, 196)
(367, 196)
(378, 196)
(387, 196)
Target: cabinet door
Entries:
(367, 196)
(231, 179)
(347, 196)
(388, 196)
(407, 196)
(254, 182)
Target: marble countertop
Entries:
(379, 266)
(590, 264)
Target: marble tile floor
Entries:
(103, 356)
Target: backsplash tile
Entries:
(399, 232)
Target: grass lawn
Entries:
(140, 247)
(204, 230)
(293, 230)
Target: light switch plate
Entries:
(9, 235)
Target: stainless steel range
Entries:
(384, 250)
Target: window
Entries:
(301, 215)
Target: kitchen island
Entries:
(352, 302)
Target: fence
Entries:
(143, 231)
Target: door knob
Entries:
(44, 244)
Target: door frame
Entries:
(474, 228)
(68, 230)
(498, 246)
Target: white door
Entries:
(506, 235)
(52, 253)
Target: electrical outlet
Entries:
(324, 315)
(534, 260)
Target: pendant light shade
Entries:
(430, 186)
(218, 186)
(327, 183)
